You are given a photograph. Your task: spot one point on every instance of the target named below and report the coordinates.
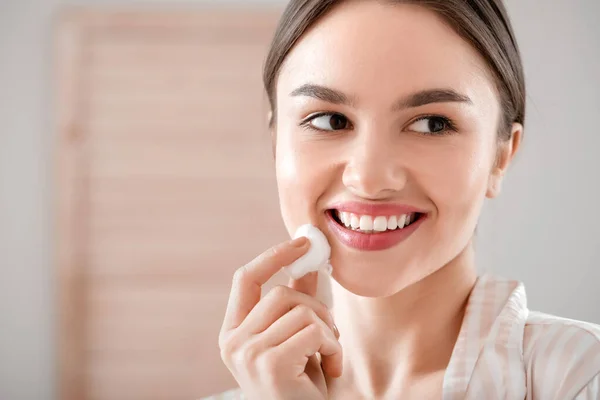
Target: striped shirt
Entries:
(504, 351)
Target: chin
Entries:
(368, 277)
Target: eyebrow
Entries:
(413, 100)
(430, 96)
(322, 93)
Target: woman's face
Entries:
(385, 114)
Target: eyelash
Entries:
(306, 122)
(450, 125)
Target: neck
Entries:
(389, 341)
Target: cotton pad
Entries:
(317, 256)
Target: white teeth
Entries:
(344, 218)
(392, 222)
(366, 223)
(380, 224)
(369, 223)
(402, 221)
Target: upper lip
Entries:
(375, 209)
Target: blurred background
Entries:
(134, 161)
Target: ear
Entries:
(506, 152)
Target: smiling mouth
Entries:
(371, 224)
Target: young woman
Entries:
(392, 122)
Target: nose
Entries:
(374, 169)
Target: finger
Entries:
(307, 284)
(314, 370)
(278, 302)
(310, 340)
(291, 323)
(248, 280)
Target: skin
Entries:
(413, 300)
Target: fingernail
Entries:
(299, 242)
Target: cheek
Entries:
(303, 175)
(461, 175)
(454, 178)
(454, 175)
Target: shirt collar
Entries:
(493, 327)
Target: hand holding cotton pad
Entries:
(317, 256)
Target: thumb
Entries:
(307, 284)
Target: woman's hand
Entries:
(270, 344)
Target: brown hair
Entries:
(482, 23)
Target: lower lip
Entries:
(372, 241)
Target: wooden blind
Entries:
(165, 186)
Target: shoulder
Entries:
(561, 356)
(232, 394)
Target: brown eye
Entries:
(436, 125)
(329, 122)
(430, 125)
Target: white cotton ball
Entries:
(316, 258)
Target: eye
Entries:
(432, 125)
(327, 122)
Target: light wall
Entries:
(544, 230)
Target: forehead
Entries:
(378, 50)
